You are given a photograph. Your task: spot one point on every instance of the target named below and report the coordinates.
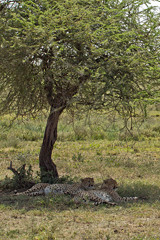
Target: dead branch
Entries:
(14, 170)
(20, 174)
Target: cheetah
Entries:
(98, 195)
(86, 191)
(105, 194)
(46, 188)
(71, 189)
(37, 189)
(109, 186)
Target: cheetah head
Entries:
(87, 183)
(109, 184)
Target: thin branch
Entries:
(14, 170)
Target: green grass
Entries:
(98, 150)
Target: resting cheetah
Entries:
(84, 190)
(71, 189)
(98, 195)
(37, 189)
(46, 188)
(109, 186)
(105, 194)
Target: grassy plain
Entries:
(93, 148)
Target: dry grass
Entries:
(134, 164)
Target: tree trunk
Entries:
(47, 167)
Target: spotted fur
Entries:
(109, 186)
(86, 190)
(96, 196)
(71, 189)
(46, 188)
(37, 189)
(105, 194)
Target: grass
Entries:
(96, 150)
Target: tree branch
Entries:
(14, 170)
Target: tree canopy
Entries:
(103, 54)
(51, 48)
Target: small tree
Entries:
(52, 53)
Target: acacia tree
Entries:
(127, 72)
(55, 52)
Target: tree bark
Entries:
(50, 136)
(58, 103)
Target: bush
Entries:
(22, 178)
